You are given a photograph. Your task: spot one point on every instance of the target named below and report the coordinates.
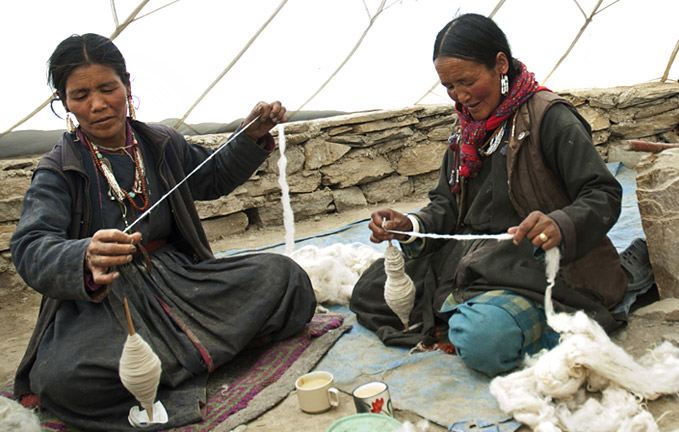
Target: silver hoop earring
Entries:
(504, 84)
(130, 108)
(70, 126)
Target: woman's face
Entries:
(472, 84)
(97, 97)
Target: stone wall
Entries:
(343, 162)
(647, 112)
(338, 163)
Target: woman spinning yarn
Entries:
(521, 161)
(196, 312)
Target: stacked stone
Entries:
(339, 163)
(646, 112)
(350, 161)
(15, 177)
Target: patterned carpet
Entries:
(240, 390)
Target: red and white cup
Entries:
(373, 397)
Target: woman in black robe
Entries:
(195, 311)
(521, 161)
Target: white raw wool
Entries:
(421, 426)
(140, 371)
(586, 383)
(334, 269)
(16, 418)
(399, 290)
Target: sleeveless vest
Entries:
(533, 186)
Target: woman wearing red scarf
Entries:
(520, 161)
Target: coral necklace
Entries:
(115, 191)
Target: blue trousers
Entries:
(493, 332)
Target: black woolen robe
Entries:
(195, 314)
(468, 268)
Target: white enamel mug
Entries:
(315, 392)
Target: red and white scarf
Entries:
(466, 147)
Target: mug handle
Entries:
(333, 397)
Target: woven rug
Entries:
(236, 392)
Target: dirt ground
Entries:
(19, 308)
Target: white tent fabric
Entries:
(176, 49)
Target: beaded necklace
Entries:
(115, 192)
(494, 141)
(496, 138)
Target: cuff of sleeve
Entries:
(267, 142)
(568, 234)
(416, 228)
(90, 284)
(96, 292)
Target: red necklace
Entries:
(115, 191)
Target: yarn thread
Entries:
(288, 216)
(399, 290)
(333, 270)
(139, 367)
(233, 137)
(503, 236)
(140, 371)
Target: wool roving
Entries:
(399, 290)
(288, 215)
(586, 383)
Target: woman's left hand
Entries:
(270, 114)
(539, 229)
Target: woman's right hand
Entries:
(109, 248)
(384, 219)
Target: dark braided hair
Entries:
(477, 38)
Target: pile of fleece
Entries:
(586, 383)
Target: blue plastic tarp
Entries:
(436, 385)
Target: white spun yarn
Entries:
(500, 237)
(288, 216)
(140, 371)
(399, 290)
(15, 418)
(586, 383)
(334, 269)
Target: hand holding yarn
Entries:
(267, 116)
(541, 230)
(388, 219)
(109, 248)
